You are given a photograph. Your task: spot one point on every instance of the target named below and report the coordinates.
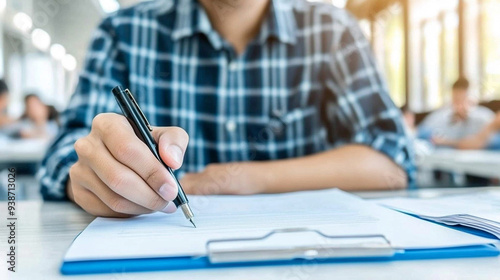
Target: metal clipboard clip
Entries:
(297, 243)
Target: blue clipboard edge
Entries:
(184, 263)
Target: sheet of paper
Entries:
(480, 204)
(332, 212)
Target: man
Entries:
(275, 96)
(487, 138)
(4, 102)
(462, 120)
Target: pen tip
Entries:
(191, 220)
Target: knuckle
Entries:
(103, 122)
(83, 147)
(98, 121)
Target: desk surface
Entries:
(47, 229)
(22, 150)
(478, 163)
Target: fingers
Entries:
(172, 143)
(93, 205)
(119, 138)
(118, 178)
(171, 208)
(116, 173)
(83, 176)
(89, 201)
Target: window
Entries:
(388, 45)
(433, 94)
(449, 53)
(394, 57)
(440, 54)
(490, 49)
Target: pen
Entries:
(143, 129)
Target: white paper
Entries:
(332, 212)
(480, 210)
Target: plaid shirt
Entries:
(307, 83)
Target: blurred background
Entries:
(422, 46)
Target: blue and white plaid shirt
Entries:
(307, 83)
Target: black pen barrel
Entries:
(142, 129)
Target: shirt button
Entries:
(233, 66)
(277, 127)
(231, 126)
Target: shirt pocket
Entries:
(295, 125)
(284, 135)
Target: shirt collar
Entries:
(280, 23)
(191, 18)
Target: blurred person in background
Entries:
(4, 102)
(421, 147)
(487, 138)
(39, 120)
(409, 118)
(459, 121)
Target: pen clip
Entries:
(139, 109)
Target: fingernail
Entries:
(167, 192)
(170, 208)
(175, 153)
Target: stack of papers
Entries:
(331, 212)
(480, 211)
(284, 228)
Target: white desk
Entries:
(47, 229)
(22, 150)
(477, 163)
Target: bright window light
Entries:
(451, 20)
(23, 22)
(69, 62)
(40, 39)
(3, 4)
(339, 3)
(57, 51)
(109, 6)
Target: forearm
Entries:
(352, 167)
(479, 141)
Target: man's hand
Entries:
(242, 178)
(117, 175)
(441, 141)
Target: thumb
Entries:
(172, 144)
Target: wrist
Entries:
(262, 176)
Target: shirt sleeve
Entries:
(485, 115)
(104, 69)
(360, 110)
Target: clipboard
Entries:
(311, 246)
